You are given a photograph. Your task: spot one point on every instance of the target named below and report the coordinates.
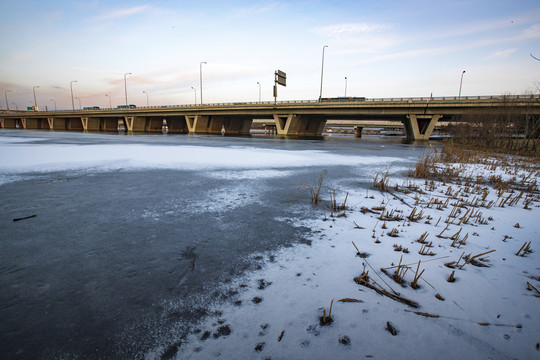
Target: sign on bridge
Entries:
(281, 77)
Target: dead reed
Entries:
(327, 320)
(315, 190)
(524, 249)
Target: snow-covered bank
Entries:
(491, 309)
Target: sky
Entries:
(384, 48)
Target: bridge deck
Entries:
(418, 115)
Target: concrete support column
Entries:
(299, 125)
(420, 127)
(50, 122)
(128, 123)
(358, 131)
(84, 123)
(1, 123)
(270, 129)
(23, 123)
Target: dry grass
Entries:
(524, 249)
(315, 190)
(327, 319)
(381, 181)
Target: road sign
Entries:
(281, 78)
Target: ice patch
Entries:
(249, 174)
(226, 198)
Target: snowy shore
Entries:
(467, 230)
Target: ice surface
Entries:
(488, 312)
(19, 157)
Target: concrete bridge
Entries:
(294, 118)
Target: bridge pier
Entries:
(84, 123)
(420, 127)
(358, 131)
(299, 125)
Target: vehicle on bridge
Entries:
(91, 108)
(130, 106)
(344, 98)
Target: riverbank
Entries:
(411, 268)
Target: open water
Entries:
(133, 235)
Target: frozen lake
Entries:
(133, 234)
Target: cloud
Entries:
(350, 29)
(532, 32)
(359, 37)
(100, 71)
(501, 54)
(121, 13)
(255, 10)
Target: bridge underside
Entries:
(299, 125)
(230, 125)
(417, 127)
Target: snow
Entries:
(488, 312)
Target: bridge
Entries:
(294, 118)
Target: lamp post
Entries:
(35, 101)
(110, 102)
(461, 83)
(195, 90)
(345, 86)
(200, 77)
(322, 71)
(125, 85)
(258, 83)
(145, 92)
(5, 94)
(54, 104)
(71, 87)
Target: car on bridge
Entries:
(130, 106)
(344, 98)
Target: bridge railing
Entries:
(326, 102)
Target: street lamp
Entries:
(71, 86)
(258, 83)
(345, 86)
(461, 83)
(195, 90)
(125, 85)
(5, 94)
(54, 104)
(110, 102)
(145, 92)
(35, 102)
(322, 70)
(200, 77)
